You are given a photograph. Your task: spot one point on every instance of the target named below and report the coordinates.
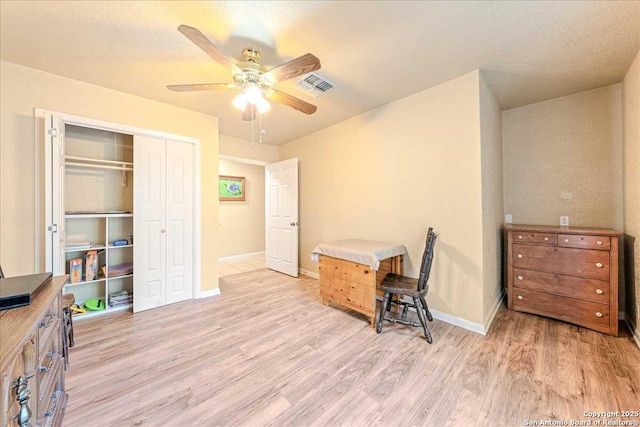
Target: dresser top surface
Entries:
(16, 323)
(563, 230)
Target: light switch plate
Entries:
(564, 221)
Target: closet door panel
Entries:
(149, 223)
(180, 219)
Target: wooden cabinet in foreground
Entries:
(566, 273)
(31, 360)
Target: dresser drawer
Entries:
(535, 238)
(602, 243)
(572, 262)
(560, 307)
(576, 287)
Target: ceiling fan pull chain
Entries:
(260, 128)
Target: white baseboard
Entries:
(635, 333)
(492, 314)
(459, 321)
(233, 258)
(309, 273)
(209, 293)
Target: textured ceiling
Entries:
(374, 52)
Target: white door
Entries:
(179, 236)
(281, 213)
(149, 223)
(54, 194)
(162, 222)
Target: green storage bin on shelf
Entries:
(95, 304)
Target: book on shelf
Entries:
(120, 298)
(75, 270)
(79, 245)
(120, 269)
(91, 263)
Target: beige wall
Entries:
(392, 172)
(24, 89)
(242, 223)
(631, 124)
(244, 149)
(492, 199)
(572, 144)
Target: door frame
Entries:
(64, 118)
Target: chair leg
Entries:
(427, 334)
(383, 307)
(65, 339)
(405, 311)
(71, 342)
(426, 308)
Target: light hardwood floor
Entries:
(267, 352)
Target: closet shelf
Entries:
(115, 214)
(87, 162)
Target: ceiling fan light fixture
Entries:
(240, 101)
(253, 95)
(263, 105)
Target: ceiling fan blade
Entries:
(291, 101)
(294, 68)
(211, 49)
(250, 112)
(202, 86)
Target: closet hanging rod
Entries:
(89, 165)
(87, 159)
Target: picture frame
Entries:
(231, 188)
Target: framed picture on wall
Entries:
(231, 188)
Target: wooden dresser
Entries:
(31, 361)
(567, 273)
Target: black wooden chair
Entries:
(1, 273)
(395, 284)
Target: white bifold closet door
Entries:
(163, 222)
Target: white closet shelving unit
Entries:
(98, 199)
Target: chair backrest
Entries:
(1, 273)
(427, 259)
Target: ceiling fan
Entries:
(255, 81)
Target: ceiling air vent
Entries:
(314, 85)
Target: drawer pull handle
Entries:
(520, 277)
(519, 237)
(566, 240)
(546, 238)
(598, 314)
(599, 242)
(519, 255)
(599, 264)
(520, 297)
(44, 369)
(599, 291)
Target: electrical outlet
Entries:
(564, 221)
(508, 218)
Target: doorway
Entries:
(242, 222)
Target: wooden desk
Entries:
(351, 272)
